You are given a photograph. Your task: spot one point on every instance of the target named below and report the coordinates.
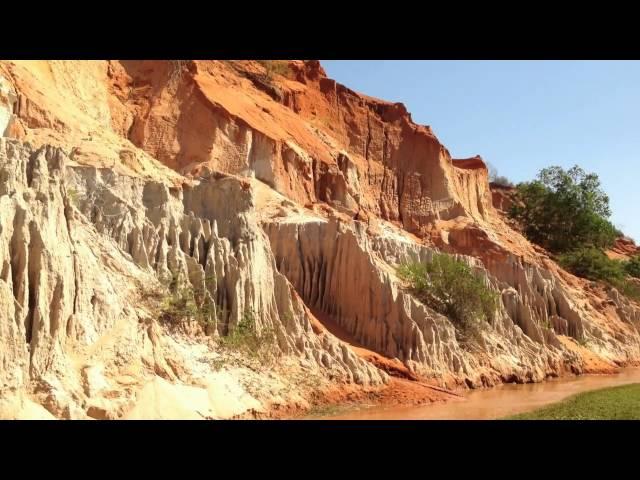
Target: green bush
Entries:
(627, 288)
(564, 210)
(183, 303)
(632, 267)
(592, 263)
(450, 287)
(180, 302)
(275, 67)
(502, 181)
(567, 213)
(246, 339)
(73, 196)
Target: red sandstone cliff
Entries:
(300, 196)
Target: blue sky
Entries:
(522, 116)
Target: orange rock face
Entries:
(306, 136)
(501, 197)
(623, 249)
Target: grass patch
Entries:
(275, 67)
(628, 289)
(329, 410)
(593, 264)
(617, 403)
(73, 195)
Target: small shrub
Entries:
(502, 181)
(593, 264)
(183, 303)
(497, 179)
(217, 364)
(275, 67)
(179, 306)
(246, 339)
(632, 267)
(74, 196)
(627, 288)
(493, 171)
(582, 341)
(450, 287)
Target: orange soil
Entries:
(403, 388)
(397, 392)
(592, 362)
(623, 249)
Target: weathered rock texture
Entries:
(7, 105)
(77, 240)
(623, 249)
(502, 197)
(292, 197)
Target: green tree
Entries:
(564, 209)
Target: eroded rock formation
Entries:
(290, 196)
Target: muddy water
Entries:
(497, 402)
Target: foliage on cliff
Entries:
(593, 264)
(247, 339)
(563, 210)
(450, 287)
(496, 179)
(182, 303)
(632, 267)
